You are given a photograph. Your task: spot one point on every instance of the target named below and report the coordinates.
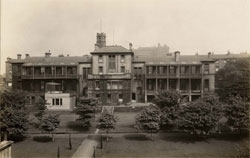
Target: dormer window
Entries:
(122, 58)
(100, 58)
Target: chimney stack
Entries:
(209, 55)
(19, 56)
(177, 55)
(27, 55)
(130, 46)
(48, 54)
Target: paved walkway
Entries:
(86, 149)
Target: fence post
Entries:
(94, 152)
(58, 152)
(70, 144)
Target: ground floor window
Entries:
(57, 101)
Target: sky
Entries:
(70, 26)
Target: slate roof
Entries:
(184, 59)
(52, 60)
(111, 49)
(150, 58)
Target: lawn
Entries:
(168, 145)
(126, 122)
(39, 147)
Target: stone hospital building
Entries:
(112, 74)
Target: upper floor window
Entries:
(184, 69)
(111, 63)
(86, 71)
(71, 70)
(97, 84)
(195, 69)
(217, 68)
(100, 58)
(172, 70)
(206, 69)
(100, 69)
(122, 58)
(122, 69)
(149, 70)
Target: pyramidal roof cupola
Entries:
(100, 40)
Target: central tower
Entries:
(100, 40)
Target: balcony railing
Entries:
(53, 76)
(109, 76)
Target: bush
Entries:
(148, 120)
(198, 117)
(13, 114)
(168, 102)
(237, 113)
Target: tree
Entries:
(148, 120)
(49, 124)
(86, 110)
(237, 113)
(198, 117)
(40, 108)
(13, 114)
(233, 79)
(168, 102)
(106, 122)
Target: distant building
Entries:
(8, 71)
(114, 75)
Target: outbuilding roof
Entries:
(52, 60)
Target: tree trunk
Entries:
(101, 142)
(53, 139)
(107, 136)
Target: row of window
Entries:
(49, 70)
(109, 96)
(173, 69)
(111, 58)
(122, 69)
(110, 85)
(184, 84)
(57, 101)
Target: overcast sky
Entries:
(70, 26)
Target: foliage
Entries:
(49, 123)
(148, 120)
(237, 112)
(199, 117)
(106, 122)
(40, 108)
(86, 110)
(13, 114)
(233, 79)
(168, 102)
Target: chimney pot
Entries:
(27, 55)
(130, 46)
(177, 55)
(19, 56)
(48, 54)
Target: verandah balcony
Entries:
(49, 76)
(109, 76)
